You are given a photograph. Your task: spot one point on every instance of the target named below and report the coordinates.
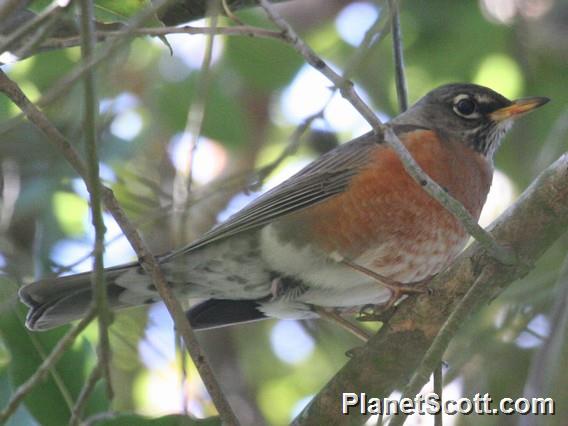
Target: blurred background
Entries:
(245, 97)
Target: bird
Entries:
(319, 240)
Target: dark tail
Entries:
(57, 301)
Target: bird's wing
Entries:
(327, 176)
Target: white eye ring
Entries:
(465, 107)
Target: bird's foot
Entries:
(398, 290)
(376, 313)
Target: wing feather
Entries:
(323, 178)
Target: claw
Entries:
(353, 352)
(380, 313)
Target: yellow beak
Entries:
(518, 108)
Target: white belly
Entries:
(332, 284)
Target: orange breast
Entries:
(384, 207)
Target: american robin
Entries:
(307, 243)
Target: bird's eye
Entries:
(465, 107)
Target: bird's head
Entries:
(475, 115)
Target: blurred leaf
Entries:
(46, 402)
(172, 420)
(119, 10)
(264, 64)
(105, 10)
(5, 355)
(128, 328)
(224, 117)
(70, 210)
(46, 68)
(38, 5)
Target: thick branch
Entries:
(529, 227)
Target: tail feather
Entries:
(57, 301)
(215, 313)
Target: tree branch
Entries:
(529, 227)
(85, 393)
(102, 35)
(98, 275)
(398, 55)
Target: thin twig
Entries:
(55, 375)
(337, 319)
(433, 356)
(438, 390)
(348, 92)
(53, 9)
(90, 129)
(86, 391)
(99, 418)
(398, 55)
(146, 259)
(229, 13)
(42, 371)
(102, 35)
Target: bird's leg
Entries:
(276, 288)
(335, 318)
(398, 289)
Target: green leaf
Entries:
(46, 402)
